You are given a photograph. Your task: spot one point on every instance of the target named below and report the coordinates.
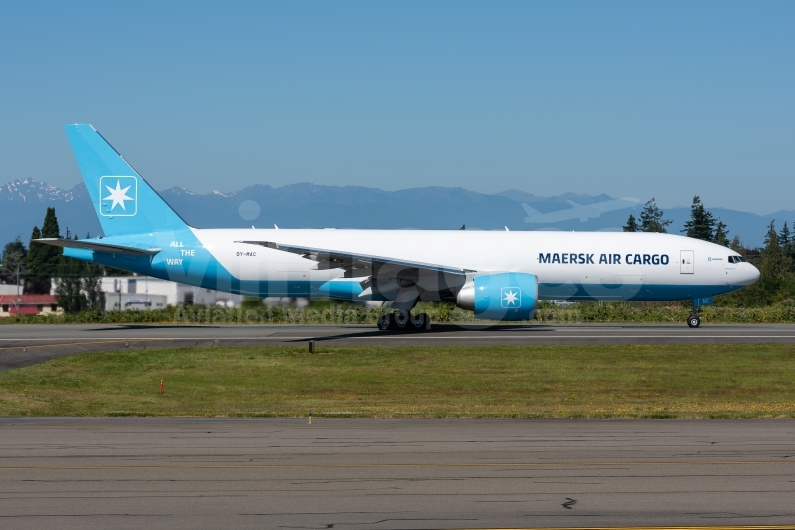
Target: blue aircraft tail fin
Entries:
(125, 203)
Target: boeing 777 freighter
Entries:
(498, 275)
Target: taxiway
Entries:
(23, 345)
(337, 473)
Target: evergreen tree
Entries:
(721, 234)
(737, 245)
(784, 237)
(651, 218)
(69, 287)
(787, 242)
(35, 282)
(632, 224)
(14, 254)
(43, 260)
(772, 263)
(51, 255)
(702, 223)
(771, 237)
(775, 264)
(92, 285)
(78, 285)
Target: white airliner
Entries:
(498, 275)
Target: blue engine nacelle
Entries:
(501, 296)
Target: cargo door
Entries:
(686, 263)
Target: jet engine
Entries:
(500, 296)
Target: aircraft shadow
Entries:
(436, 329)
(155, 326)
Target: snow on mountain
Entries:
(32, 190)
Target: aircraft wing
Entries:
(365, 264)
(98, 247)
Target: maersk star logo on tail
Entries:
(119, 196)
(511, 297)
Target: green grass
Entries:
(693, 381)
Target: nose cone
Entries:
(749, 274)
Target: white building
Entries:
(143, 302)
(145, 292)
(141, 287)
(10, 288)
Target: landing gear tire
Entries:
(404, 321)
(385, 322)
(421, 321)
(401, 320)
(694, 321)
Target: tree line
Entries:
(78, 283)
(701, 225)
(775, 260)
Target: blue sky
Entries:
(639, 99)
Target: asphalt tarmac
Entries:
(23, 345)
(349, 474)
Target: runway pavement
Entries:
(23, 345)
(221, 473)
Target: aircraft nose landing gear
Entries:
(694, 320)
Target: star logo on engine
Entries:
(119, 196)
(511, 297)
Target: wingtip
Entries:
(78, 125)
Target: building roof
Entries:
(28, 299)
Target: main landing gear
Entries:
(404, 321)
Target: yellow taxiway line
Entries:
(762, 527)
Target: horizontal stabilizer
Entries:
(98, 247)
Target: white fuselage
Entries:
(569, 265)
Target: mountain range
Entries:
(23, 204)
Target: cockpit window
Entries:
(736, 259)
